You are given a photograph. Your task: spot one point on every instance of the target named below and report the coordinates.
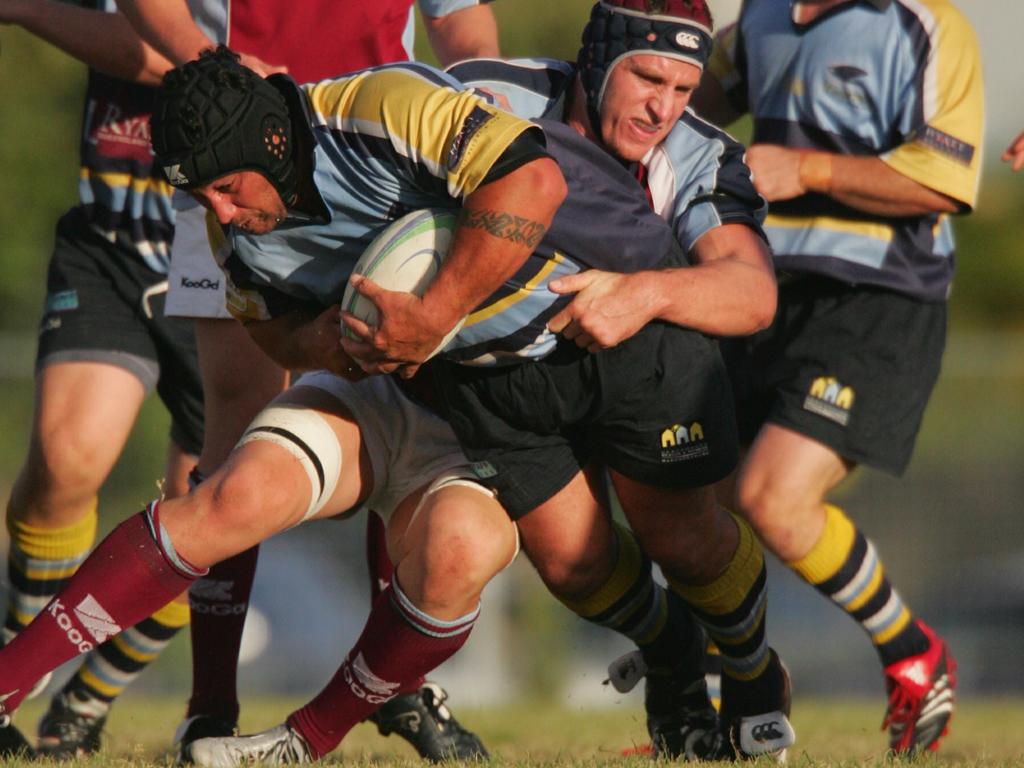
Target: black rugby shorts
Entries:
(657, 408)
(104, 305)
(850, 367)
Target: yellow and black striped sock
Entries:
(844, 566)
(633, 604)
(713, 674)
(112, 667)
(40, 562)
(732, 611)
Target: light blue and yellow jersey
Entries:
(899, 80)
(404, 137)
(695, 179)
(125, 198)
(387, 141)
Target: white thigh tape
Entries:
(309, 438)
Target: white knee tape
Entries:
(309, 438)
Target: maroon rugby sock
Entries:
(219, 603)
(399, 643)
(377, 559)
(127, 578)
(382, 570)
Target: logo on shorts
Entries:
(830, 399)
(484, 469)
(683, 443)
(61, 301)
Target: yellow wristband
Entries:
(816, 172)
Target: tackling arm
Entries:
(104, 41)
(730, 291)
(469, 33)
(168, 26)
(300, 341)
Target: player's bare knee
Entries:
(761, 501)
(69, 465)
(245, 495)
(572, 575)
(774, 511)
(683, 536)
(464, 549)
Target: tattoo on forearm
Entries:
(518, 229)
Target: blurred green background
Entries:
(950, 531)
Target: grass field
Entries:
(988, 733)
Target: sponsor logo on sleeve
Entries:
(470, 127)
(950, 146)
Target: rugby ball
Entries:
(404, 257)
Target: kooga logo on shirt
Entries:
(206, 284)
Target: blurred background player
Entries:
(311, 41)
(867, 127)
(104, 344)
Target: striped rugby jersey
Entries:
(695, 179)
(126, 199)
(896, 79)
(389, 140)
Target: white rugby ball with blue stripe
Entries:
(404, 257)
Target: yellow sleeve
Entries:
(944, 153)
(451, 134)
